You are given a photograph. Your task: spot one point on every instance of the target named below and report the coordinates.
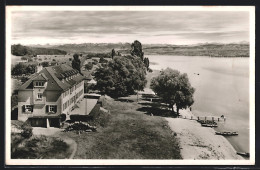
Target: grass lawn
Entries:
(127, 134)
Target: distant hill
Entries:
(20, 50)
(208, 49)
(89, 47)
(240, 49)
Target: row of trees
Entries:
(20, 50)
(124, 75)
(121, 76)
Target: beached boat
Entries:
(245, 154)
(227, 133)
(209, 125)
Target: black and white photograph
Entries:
(130, 85)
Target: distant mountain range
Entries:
(240, 49)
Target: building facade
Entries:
(47, 98)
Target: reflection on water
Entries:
(222, 88)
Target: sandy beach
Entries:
(199, 142)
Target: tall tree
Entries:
(146, 62)
(113, 53)
(137, 49)
(76, 62)
(174, 88)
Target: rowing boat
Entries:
(243, 154)
(227, 133)
(209, 125)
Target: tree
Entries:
(102, 60)
(18, 69)
(24, 58)
(113, 53)
(89, 66)
(174, 88)
(30, 69)
(121, 76)
(137, 49)
(76, 62)
(45, 64)
(19, 50)
(146, 63)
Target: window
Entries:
(27, 108)
(51, 108)
(39, 96)
(39, 84)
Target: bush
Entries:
(26, 130)
(89, 66)
(80, 127)
(14, 100)
(83, 118)
(38, 147)
(150, 70)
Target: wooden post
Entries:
(213, 119)
(191, 118)
(218, 119)
(198, 118)
(205, 118)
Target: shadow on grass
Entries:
(156, 109)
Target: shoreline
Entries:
(199, 142)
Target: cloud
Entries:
(70, 25)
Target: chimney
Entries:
(38, 67)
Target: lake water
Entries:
(222, 88)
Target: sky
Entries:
(149, 27)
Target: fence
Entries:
(211, 118)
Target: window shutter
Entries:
(23, 108)
(55, 109)
(47, 108)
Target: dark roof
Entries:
(54, 76)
